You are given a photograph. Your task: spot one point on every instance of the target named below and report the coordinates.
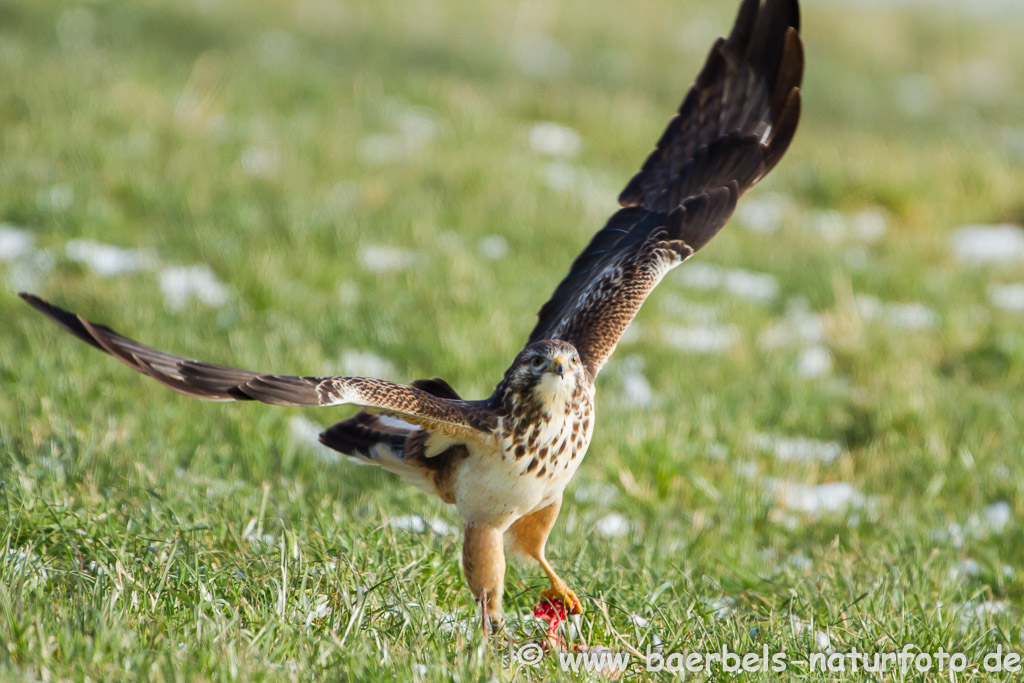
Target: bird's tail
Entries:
(363, 435)
(379, 440)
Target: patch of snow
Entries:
(417, 127)
(612, 525)
(381, 148)
(493, 247)
(26, 273)
(379, 258)
(418, 525)
(763, 214)
(830, 225)
(636, 390)
(15, 243)
(831, 497)
(328, 567)
(688, 310)
(318, 610)
(449, 623)
(701, 275)
(870, 225)
(993, 520)
(572, 626)
(964, 569)
(953, 534)
(589, 187)
(814, 361)
(409, 523)
(108, 260)
(996, 516)
(717, 451)
(747, 469)
(980, 610)
(25, 563)
(744, 284)
(869, 307)
(798, 626)
(751, 286)
(911, 316)
(355, 363)
(1008, 297)
(721, 608)
(554, 140)
(304, 431)
(799, 325)
(181, 284)
(307, 433)
(600, 494)
(798, 448)
(701, 339)
(822, 641)
(980, 244)
(800, 562)
(906, 316)
(259, 162)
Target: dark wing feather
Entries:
(732, 128)
(431, 410)
(361, 432)
(437, 387)
(738, 117)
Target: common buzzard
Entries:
(504, 461)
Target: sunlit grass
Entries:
(361, 179)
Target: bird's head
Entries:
(549, 371)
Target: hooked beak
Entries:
(558, 366)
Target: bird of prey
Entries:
(505, 460)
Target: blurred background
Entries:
(828, 391)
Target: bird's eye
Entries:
(537, 361)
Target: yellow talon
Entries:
(566, 596)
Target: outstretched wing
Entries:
(453, 418)
(732, 128)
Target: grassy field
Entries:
(811, 442)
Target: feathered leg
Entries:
(528, 535)
(483, 558)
